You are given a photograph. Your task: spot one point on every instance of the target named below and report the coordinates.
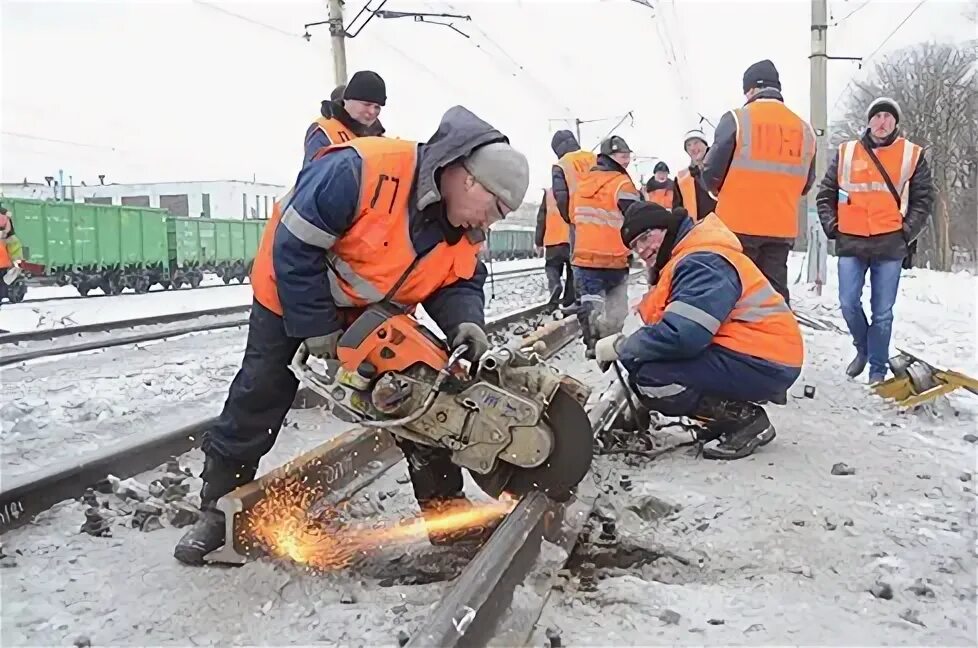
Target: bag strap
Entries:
(886, 177)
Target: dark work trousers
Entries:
(558, 266)
(261, 394)
(770, 255)
(603, 293)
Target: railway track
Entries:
(124, 332)
(502, 275)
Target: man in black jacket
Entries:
(553, 236)
(874, 202)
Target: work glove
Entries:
(607, 348)
(324, 346)
(473, 336)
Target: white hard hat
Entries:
(695, 133)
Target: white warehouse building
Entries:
(231, 199)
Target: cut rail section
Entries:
(500, 595)
(24, 496)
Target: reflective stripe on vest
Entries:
(556, 230)
(768, 171)
(661, 197)
(366, 262)
(687, 187)
(760, 325)
(866, 205)
(597, 220)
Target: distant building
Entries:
(233, 199)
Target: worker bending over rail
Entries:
(717, 338)
(368, 221)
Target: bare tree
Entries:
(937, 89)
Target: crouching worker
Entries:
(368, 221)
(717, 338)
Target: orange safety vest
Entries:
(365, 263)
(597, 220)
(768, 170)
(661, 197)
(575, 166)
(5, 260)
(556, 232)
(866, 205)
(761, 324)
(687, 188)
(335, 130)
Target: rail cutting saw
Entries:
(510, 419)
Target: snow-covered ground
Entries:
(28, 316)
(775, 549)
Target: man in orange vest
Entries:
(874, 214)
(572, 163)
(553, 235)
(599, 258)
(352, 111)
(717, 338)
(660, 189)
(760, 166)
(690, 192)
(369, 221)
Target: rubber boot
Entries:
(207, 534)
(741, 428)
(857, 366)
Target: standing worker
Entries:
(572, 164)
(874, 202)
(690, 192)
(660, 189)
(599, 257)
(337, 249)
(716, 339)
(354, 113)
(761, 164)
(553, 235)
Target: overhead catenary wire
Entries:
(257, 23)
(850, 14)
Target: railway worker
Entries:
(572, 163)
(760, 166)
(352, 111)
(364, 216)
(717, 338)
(600, 260)
(874, 201)
(553, 235)
(690, 192)
(660, 189)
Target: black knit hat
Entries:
(642, 217)
(762, 74)
(614, 144)
(883, 104)
(366, 86)
(660, 166)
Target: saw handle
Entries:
(318, 382)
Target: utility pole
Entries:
(817, 247)
(338, 34)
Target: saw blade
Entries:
(564, 468)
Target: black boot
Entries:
(741, 428)
(207, 534)
(857, 366)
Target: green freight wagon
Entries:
(93, 246)
(508, 242)
(225, 247)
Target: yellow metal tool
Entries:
(915, 381)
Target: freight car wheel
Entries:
(142, 285)
(17, 291)
(165, 285)
(194, 280)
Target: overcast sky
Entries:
(181, 90)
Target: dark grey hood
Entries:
(459, 133)
(564, 142)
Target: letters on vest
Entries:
(576, 165)
(335, 130)
(866, 205)
(365, 262)
(768, 171)
(557, 231)
(760, 325)
(597, 221)
(687, 187)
